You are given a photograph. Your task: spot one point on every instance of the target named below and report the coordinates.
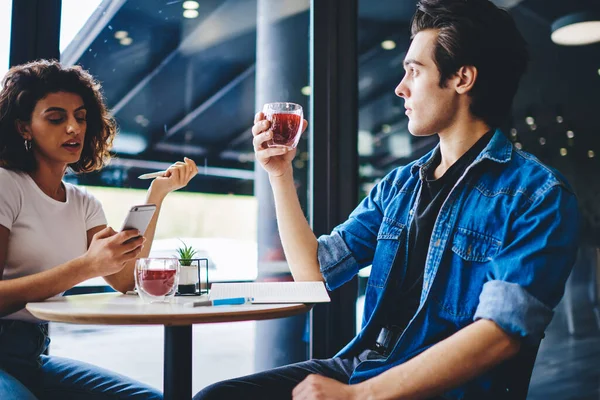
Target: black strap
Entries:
(387, 339)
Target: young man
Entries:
(470, 246)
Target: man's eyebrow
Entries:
(412, 61)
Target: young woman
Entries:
(53, 235)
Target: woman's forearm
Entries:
(15, 293)
(124, 279)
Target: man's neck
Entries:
(456, 140)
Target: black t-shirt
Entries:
(434, 192)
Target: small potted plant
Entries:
(188, 276)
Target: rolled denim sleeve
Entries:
(351, 245)
(530, 272)
(337, 264)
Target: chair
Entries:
(517, 372)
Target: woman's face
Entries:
(57, 128)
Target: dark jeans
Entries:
(278, 383)
(26, 374)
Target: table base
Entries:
(178, 363)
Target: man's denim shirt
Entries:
(501, 249)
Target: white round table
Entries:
(119, 309)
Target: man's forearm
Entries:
(446, 365)
(299, 241)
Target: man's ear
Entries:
(23, 129)
(465, 79)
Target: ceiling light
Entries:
(306, 90)
(533, 127)
(591, 154)
(563, 152)
(542, 141)
(513, 132)
(121, 34)
(576, 29)
(518, 145)
(388, 45)
(530, 120)
(559, 119)
(190, 5)
(126, 41)
(570, 134)
(190, 14)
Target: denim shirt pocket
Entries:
(468, 271)
(388, 242)
(474, 246)
(389, 239)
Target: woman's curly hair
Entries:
(24, 85)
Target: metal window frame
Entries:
(35, 30)
(334, 154)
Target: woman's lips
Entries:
(73, 147)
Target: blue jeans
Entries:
(27, 374)
(278, 383)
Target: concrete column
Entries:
(281, 73)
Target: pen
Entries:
(220, 302)
(152, 175)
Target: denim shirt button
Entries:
(411, 212)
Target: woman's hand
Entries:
(177, 176)
(109, 251)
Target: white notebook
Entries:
(272, 292)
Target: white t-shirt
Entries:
(44, 232)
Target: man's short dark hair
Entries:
(477, 33)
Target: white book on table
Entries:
(272, 292)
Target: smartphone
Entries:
(139, 217)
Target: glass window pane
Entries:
(384, 141)
(74, 16)
(181, 80)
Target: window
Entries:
(384, 141)
(181, 79)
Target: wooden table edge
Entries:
(172, 319)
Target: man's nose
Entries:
(401, 90)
